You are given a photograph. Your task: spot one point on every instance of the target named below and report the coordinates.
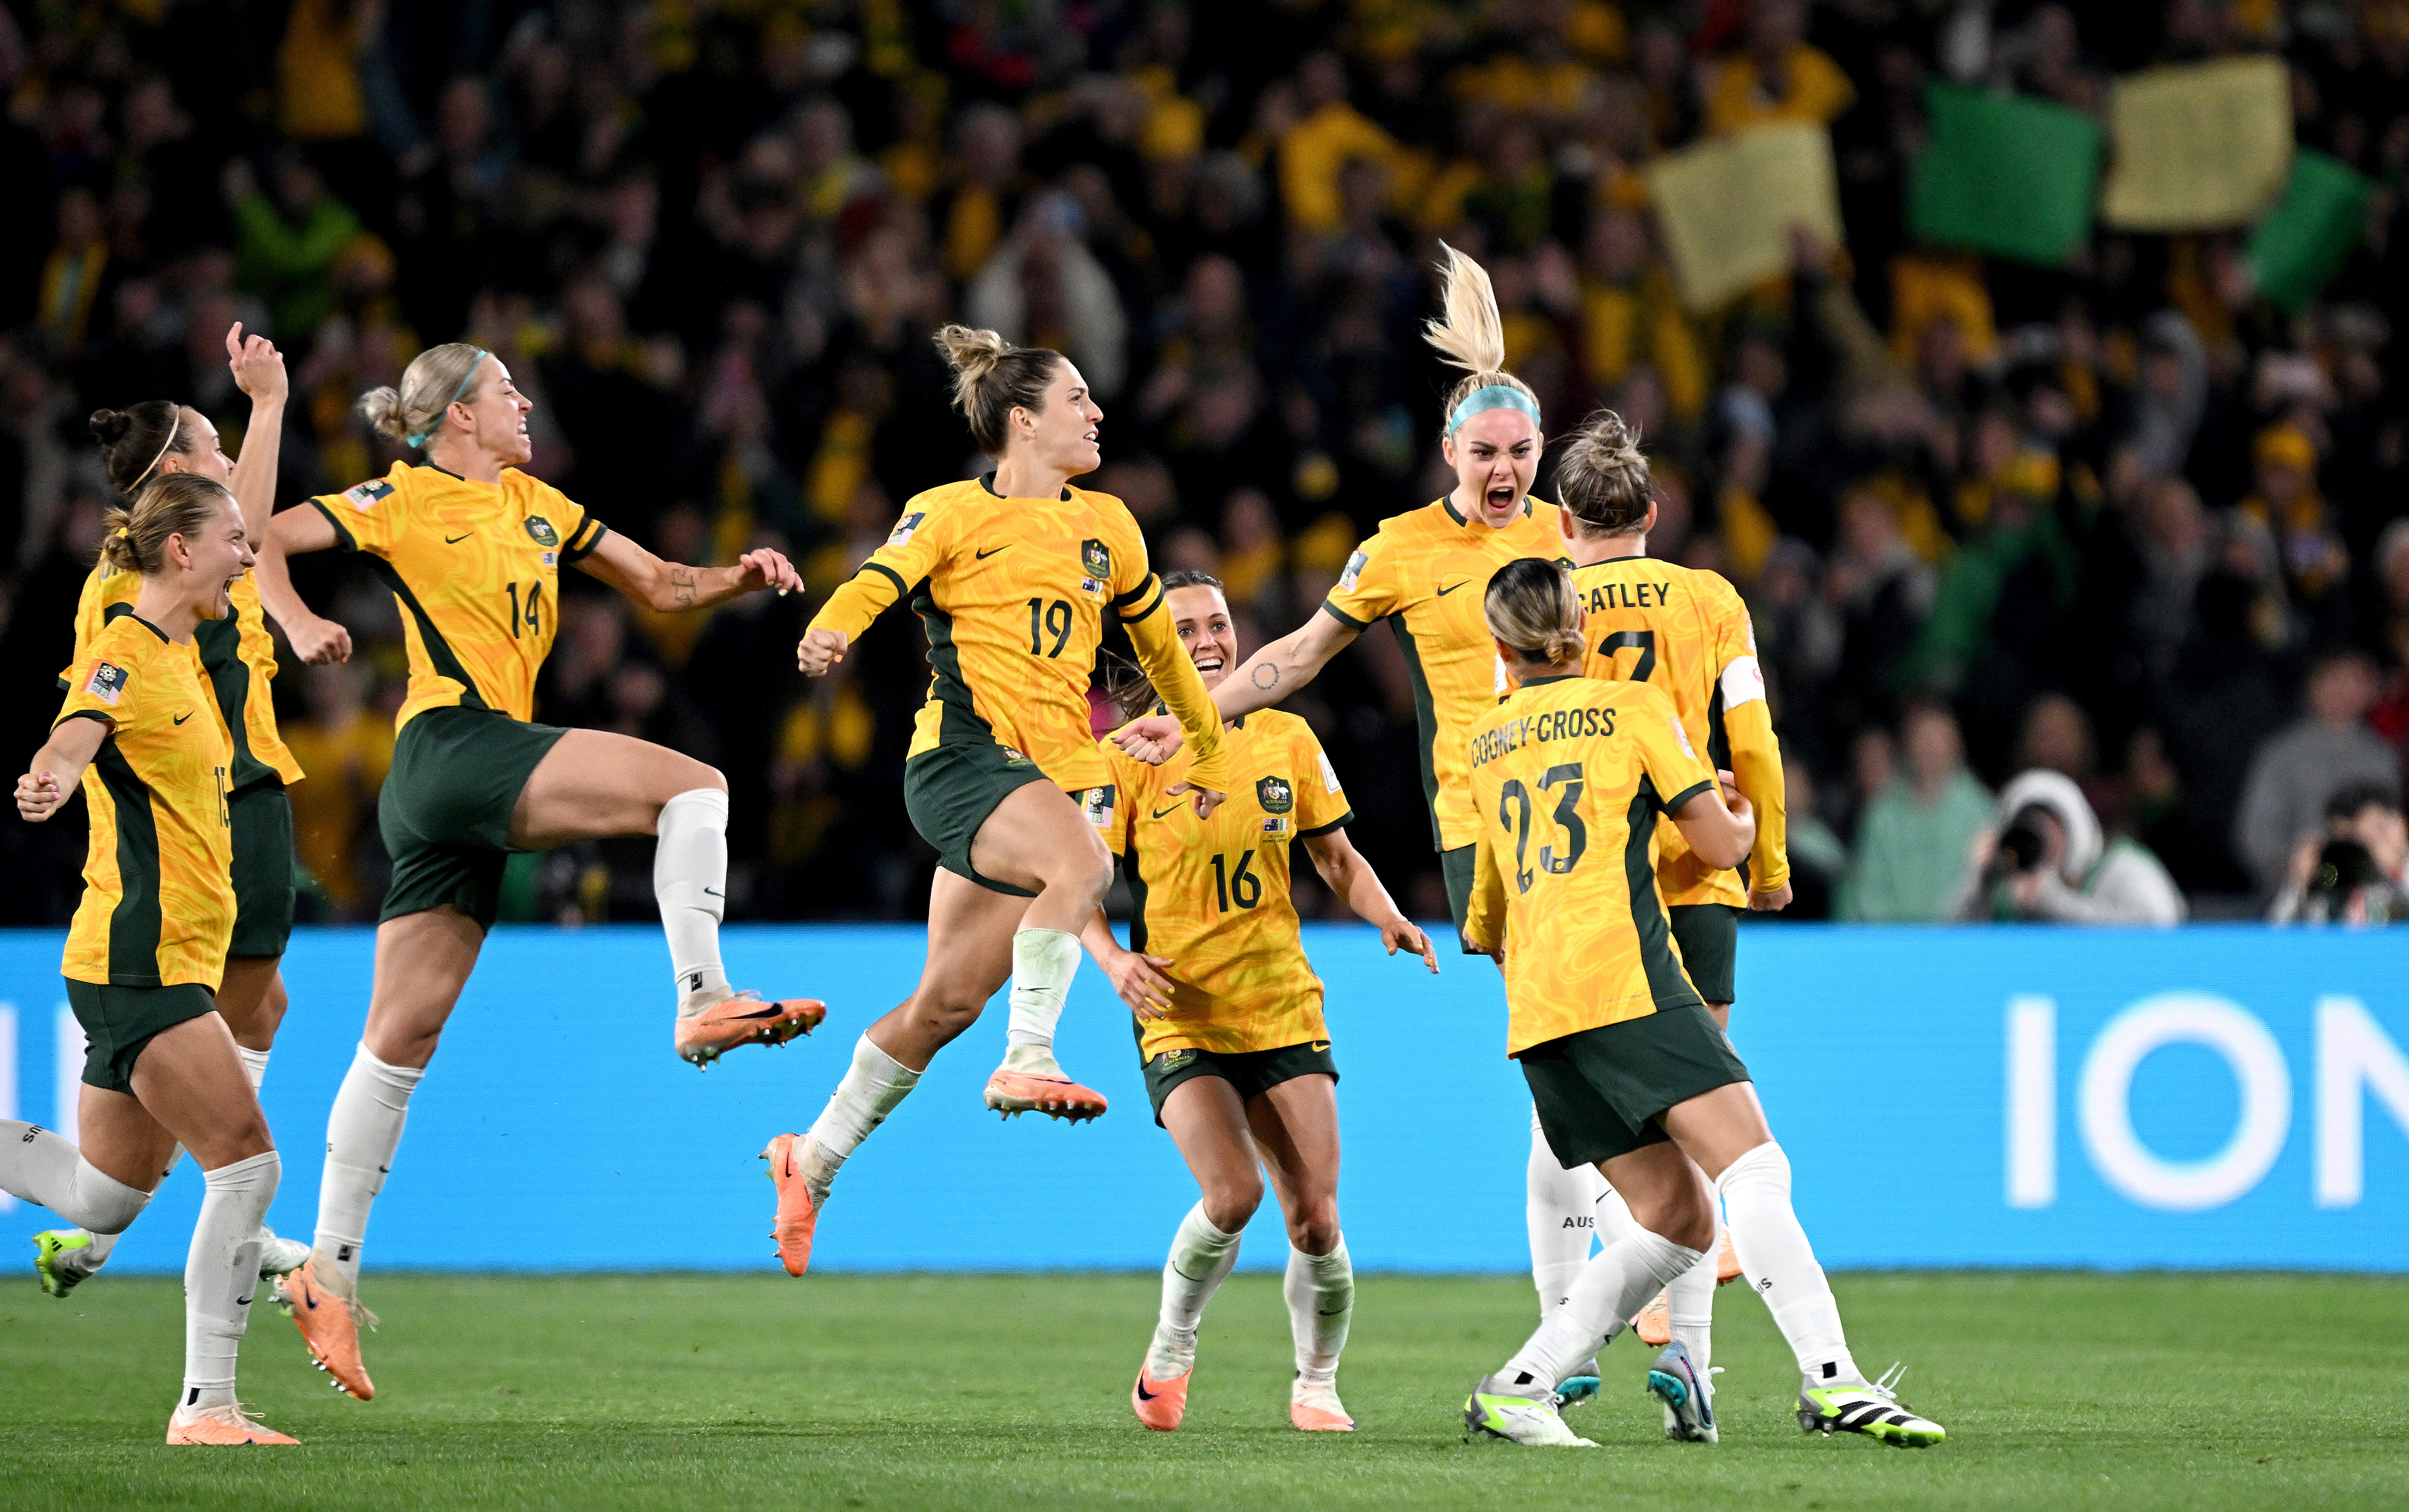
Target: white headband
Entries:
(163, 451)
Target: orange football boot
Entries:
(798, 1215)
(1010, 1092)
(1726, 1261)
(225, 1424)
(745, 1019)
(1161, 1405)
(330, 1326)
(1654, 1322)
(1316, 1410)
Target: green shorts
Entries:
(119, 1023)
(950, 789)
(1456, 867)
(1600, 1092)
(1249, 1073)
(1709, 935)
(445, 811)
(262, 817)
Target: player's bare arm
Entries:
(1352, 877)
(317, 640)
(1137, 977)
(1719, 826)
(673, 587)
(57, 769)
(1273, 674)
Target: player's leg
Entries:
(1295, 1125)
(970, 957)
(1204, 1117)
(1037, 840)
(1708, 937)
(1725, 1131)
(593, 785)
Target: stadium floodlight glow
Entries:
(2104, 1102)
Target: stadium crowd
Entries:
(2126, 520)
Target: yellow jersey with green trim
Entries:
(1687, 632)
(1013, 593)
(475, 568)
(1569, 775)
(1426, 571)
(237, 655)
(1212, 894)
(158, 897)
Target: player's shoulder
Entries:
(530, 492)
(1287, 729)
(1707, 584)
(126, 646)
(941, 506)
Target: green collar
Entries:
(986, 480)
(1543, 682)
(1446, 502)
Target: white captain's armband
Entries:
(1742, 680)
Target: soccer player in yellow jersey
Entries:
(159, 439)
(140, 733)
(1423, 572)
(1229, 1013)
(472, 549)
(1627, 1069)
(1013, 574)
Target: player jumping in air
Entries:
(1423, 572)
(1629, 1070)
(472, 549)
(1229, 1012)
(158, 439)
(140, 733)
(1013, 574)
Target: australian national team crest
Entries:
(540, 530)
(1275, 795)
(1096, 560)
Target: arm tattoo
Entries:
(1266, 675)
(682, 586)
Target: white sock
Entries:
(93, 1256)
(363, 1130)
(1615, 1219)
(1690, 1300)
(40, 1167)
(254, 1065)
(1321, 1293)
(690, 883)
(1201, 1258)
(1560, 1211)
(1780, 1264)
(1616, 1283)
(1044, 961)
(222, 1275)
(871, 1089)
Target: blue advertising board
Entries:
(2211, 1097)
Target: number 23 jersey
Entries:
(475, 568)
(1569, 776)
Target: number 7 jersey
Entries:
(1570, 776)
(475, 568)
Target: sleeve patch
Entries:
(107, 683)
(363, 498)
(1099, 804)
(1329, 775)
(1354, 572)
(906, 526)
(1681, 736)
(1742, 680)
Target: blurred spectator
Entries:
(1818, 858)
(2366, 815)
(2047, 863)
(2299, 768)
(286, 245)
(1912, 843)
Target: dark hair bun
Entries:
(110, 427)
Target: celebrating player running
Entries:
(1012, 573)
(1229, 1029)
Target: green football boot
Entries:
(1522, 1414)
(58, 1279)
(1872, 1410)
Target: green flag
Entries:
(2007, 176)
(2301, 246)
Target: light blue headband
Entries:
(420, 439)
(1495, 397)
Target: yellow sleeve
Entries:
(1368, 589)
(1484, 919)
(1671, 762)
(369, 517)
(912, 549)
(103, 684)
(1755, 751)
(584, 533)
(1320, 804)
(1108, 807)
(1177, 683)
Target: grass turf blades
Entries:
(704, 1393)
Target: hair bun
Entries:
(110, 427)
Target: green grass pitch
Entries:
(695, 1393)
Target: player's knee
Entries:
(102, 1203)
(1230, 1201)
(1314, 1229)
(1680, 1214)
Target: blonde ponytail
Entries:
(1471, 335)
(1532, 607)
(1603, 480)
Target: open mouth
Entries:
(1208, 664)
(1501, 496)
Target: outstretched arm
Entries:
(51, 777)
(297, 533)
(1284, 665)
(668, 587)
(259, 371)
(1351, 878)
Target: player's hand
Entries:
(1400, 933)
(1770, 902)
(1140, 983)
(38, 796)
(821, 649)
(1734, 799)
(1153, 740)
(319, 642)
(1204, 802)
(762, 569)
(257, 367)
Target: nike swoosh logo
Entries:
(186, 714)
(715, 892)
(1451, 587)
(998, 552)
(244, 1302)
(1333, 1311)
(1174, 809)
(310, 1300)
(454, 541)
(1143, 1394)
